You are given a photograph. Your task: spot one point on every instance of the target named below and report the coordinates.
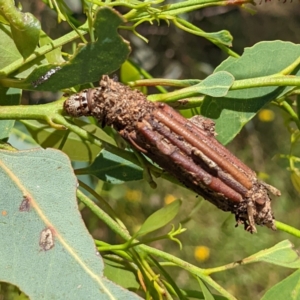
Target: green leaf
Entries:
(129, 72)
(234, 110)
(160, 218)
(76, 148)
(282, 254)
(207, 294)
(96, 131)
(8, 49)
(8, 96)
(215, 85)
(90, 61)
(25, 28)
(26, 34)
(45, 247)
(121, 274)
(223, 37)
(112, 168)
(199, 295)
(286, 289)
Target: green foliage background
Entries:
(173, 53)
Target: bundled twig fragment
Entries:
(187, 149)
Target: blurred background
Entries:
(211, 239)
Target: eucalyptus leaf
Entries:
(215, 85)
(45, 247)
(26, 33)
(223, 37)
(8, 49)
(90, 61)
(76, 148)
(8, 96)
(25, 28)
(282, 254)
(234, 110)
(286, 289)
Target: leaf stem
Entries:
(42, 51)
(164, 82)
(288, 80)
(287, 107)
(46, 112)
(289, 69)
(124, 254)
(149, 250)
(287, 228)
(169, 282)
(102, 202)
(123, 232)
(213, 37)
(264, 81)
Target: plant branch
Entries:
(287, 107)
(288, 229)
(52, 114)
(273, 80)
(147, 249)
(46, 112)
(113, 225)
(190, 89)
(102, 202)
(288, 70)
(73, 35)
(264, 81)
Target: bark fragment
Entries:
(187, 149)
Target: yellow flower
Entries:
(201, 253)
(266, 115)
(133, 195)
(169, 199)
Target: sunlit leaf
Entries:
(207, 294)
(282, 254)
(76, 148)
(286, 289)
(216, 85)
(90, 61)
(45, 247)
(129, 72)
(8, 49)
(234, 110)
(25, 28)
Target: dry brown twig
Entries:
(187, 149)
